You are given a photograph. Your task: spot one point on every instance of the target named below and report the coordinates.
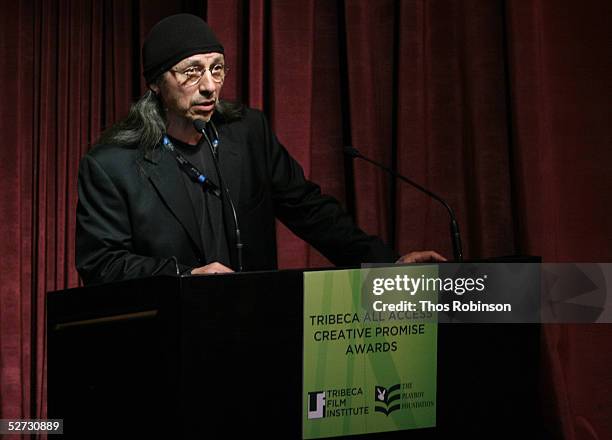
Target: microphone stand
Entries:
(454, 226)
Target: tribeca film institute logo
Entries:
(316, 404)
(387, 401)
(385, 398)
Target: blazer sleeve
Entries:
(104, 250)
(316, 218)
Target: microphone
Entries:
(454, 226)
(200, 127)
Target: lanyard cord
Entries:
(192, 171)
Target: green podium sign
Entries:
(367, 368)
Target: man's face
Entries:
(184, 101)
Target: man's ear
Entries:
(154, 88)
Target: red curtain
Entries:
(560, 70)
(503, 108)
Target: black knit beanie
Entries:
(173, 39)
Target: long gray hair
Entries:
(145, 124)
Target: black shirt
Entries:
(207, 207)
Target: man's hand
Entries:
(421, 257)
(211, 268)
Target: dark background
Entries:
(502, 107)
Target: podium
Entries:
(222, 355)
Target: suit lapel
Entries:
(165, 175)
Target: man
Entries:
(159, 196)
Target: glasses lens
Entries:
(191, 78)
(218, 72)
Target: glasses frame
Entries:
(202, 71)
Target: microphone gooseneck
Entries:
(200, 127)
(454, 226)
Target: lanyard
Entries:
(192, 171)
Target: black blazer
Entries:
(135, 217)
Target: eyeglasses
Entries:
(193, 74)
